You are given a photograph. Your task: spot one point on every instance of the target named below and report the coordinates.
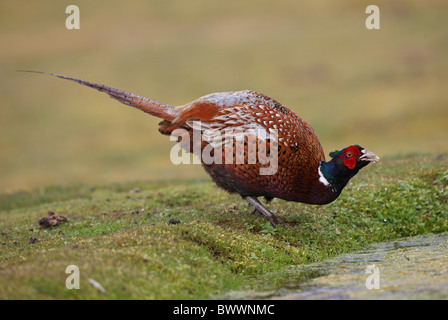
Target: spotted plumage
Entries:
(258, 135)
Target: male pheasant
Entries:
(250, 121)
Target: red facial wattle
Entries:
(349, 157)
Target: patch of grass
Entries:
(41, 196)
(119, 235)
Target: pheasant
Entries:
(252, 124)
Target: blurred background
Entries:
(383, 89)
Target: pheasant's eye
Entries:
(349, 154)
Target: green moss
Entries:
(119, 235)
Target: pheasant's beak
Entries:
(369, 156)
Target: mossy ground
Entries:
(119, 234)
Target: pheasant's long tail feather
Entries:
(150, 106)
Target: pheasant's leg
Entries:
(255, 210)
(273, 219)
(268, 200)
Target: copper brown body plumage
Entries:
(300, 172)
(299, 150)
